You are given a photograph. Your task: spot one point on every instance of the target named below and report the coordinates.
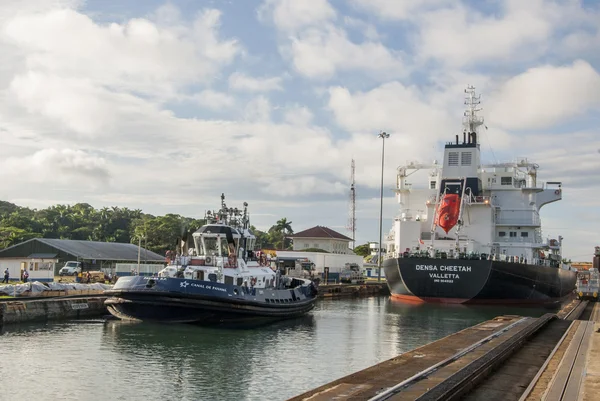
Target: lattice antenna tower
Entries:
(471, 120)
(352, 211)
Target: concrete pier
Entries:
(554, 357)
(367, 289)
(23, 310)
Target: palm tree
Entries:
(284, 226)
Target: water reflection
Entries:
(124, 361)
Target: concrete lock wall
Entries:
(49, 309)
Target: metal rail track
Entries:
(459, 383)
(576, 311)
(424, 373)
(562, 387)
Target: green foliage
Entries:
(115, 224)
(277, 234)
(82, 222)
(362, 250)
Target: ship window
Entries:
(453, 158)
(513, 234)
(505, 180)
(524, 234)
(465, 158)
(432, 185)
(502, 234)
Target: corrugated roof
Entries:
(42, 256)
(319, 232)
(101, 250)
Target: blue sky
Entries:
(164, 105)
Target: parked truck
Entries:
(351, 274)
(71, 268)
(303, 268)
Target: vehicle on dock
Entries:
(303, 268)
(351, 274)
(472, 233)
(71, 268)
(219, 280)
(588, 284)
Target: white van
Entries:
(71, 268)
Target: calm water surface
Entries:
(112, 360)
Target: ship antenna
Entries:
(472, 121)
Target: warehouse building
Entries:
(43, 258)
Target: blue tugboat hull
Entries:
(177, 300)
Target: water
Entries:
(113, 360)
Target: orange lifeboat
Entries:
(448, 212)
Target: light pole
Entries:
(381, 135)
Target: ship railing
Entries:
(480, 200)
(533, 220)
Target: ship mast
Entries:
(472, 121)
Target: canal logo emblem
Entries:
(184, 284)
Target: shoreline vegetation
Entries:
(81, 221)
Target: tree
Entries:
(362, 250)
(277, 234)
(284, 226)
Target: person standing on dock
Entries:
(6, 276)
(25, 276)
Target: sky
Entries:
(163, 106)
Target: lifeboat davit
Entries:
(448, 212)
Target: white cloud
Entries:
(292, 15)
(298, 115)
(368, 30)
(76, 103)
(524, 30)
(319, 53)
(392, 107)
(318, 49)
(242, 82)
(394, 9)
(258, 109)
(214, 100)
(544, 96)
(300, 186)
(66, 166)
(137, 56)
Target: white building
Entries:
(335, 262)
(322, 238)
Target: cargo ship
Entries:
(472, 233)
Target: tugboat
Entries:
(219, 280)
(473, 233)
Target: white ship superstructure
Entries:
(497, 214)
